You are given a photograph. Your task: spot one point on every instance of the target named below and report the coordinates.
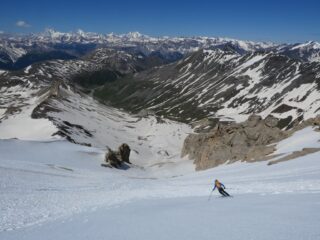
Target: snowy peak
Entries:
(49, 32)
(51, 35)
(307, 52)
(307, 46)
(135, 36)
(81, 33)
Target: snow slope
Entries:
(58, 190)
(22, 126)
(153, 141)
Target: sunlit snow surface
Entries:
(57, 190)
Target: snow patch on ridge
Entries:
(22, 126)
(305, 138)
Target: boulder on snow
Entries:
(117, 158)
(124, 151)
(113, 159)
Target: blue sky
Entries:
(278, 21)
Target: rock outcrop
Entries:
(112, 159)
(117, 158)
(230, 142)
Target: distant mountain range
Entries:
(19, 51)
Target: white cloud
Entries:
(23, 24)
(1, 32)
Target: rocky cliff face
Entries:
(230, 142)
(249, 141)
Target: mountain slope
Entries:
(222, 84)
(308, 52)
(42, 102)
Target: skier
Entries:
(221, 188)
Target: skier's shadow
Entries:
(124, 166)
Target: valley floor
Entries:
(57, 190)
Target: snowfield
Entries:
(57, 190)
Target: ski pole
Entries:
(210, 195)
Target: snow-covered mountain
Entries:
(217, 83)
(223, 84)
(308, 52)
(44, 100)
(181, 44)
(17, 51)
(228, 81)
